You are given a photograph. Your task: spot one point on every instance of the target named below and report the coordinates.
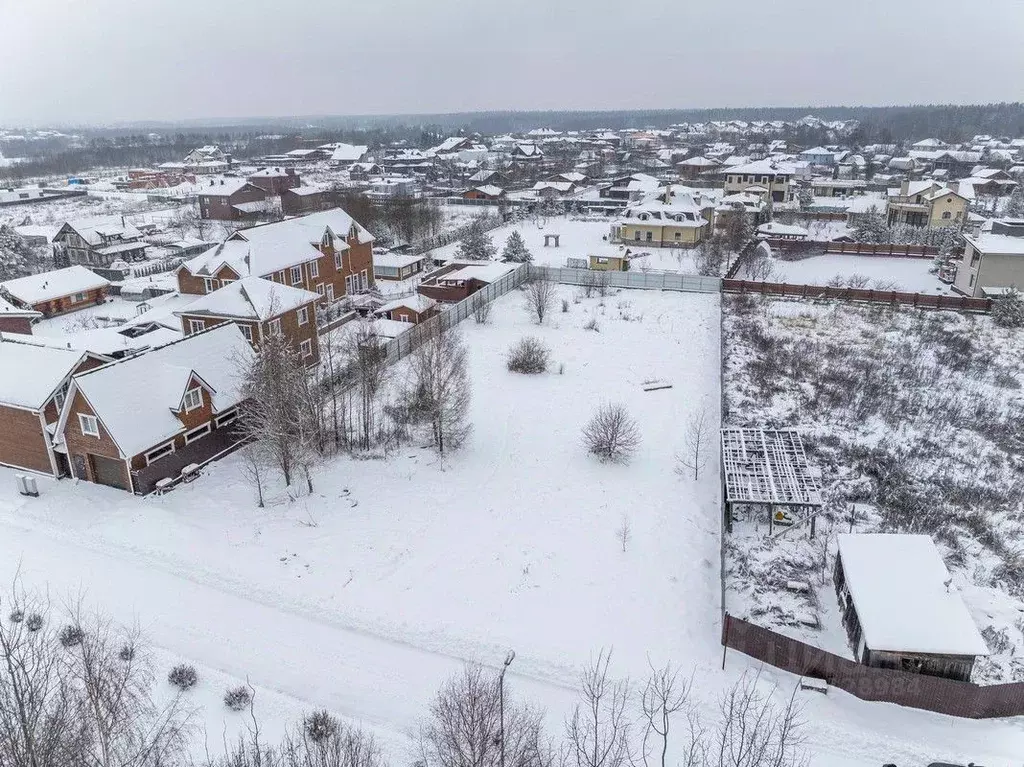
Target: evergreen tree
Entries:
(1015, 205)
(14, 254)
(515, 249)
(1008, 311)
(476, 245)
(806, 197)
(871, 227)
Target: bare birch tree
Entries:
(599, 728)
(755, 732)
(367, 370)
(540, 297)
(441, 387)
(663, 698)
(697, 441)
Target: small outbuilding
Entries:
(900, 607)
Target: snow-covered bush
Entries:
(1008, 311)
(481, 309)
(529, 355)
(611, 434)
(238, 698)
(320, 726)
(592, 325)
(183, 676)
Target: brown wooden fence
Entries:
(943, 696)
(874, 249)
(894, 297)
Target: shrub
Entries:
(71, 636)
(592, 325)
(528, 356)
(611, 435)
(183, 676)
(34, 622)
(1008, 311)
(481, 310)
(237, 698)
(320, 726)
(565, 305)
(17, 616)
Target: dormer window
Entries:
(193, 399)
(643, 216)
(328, 240)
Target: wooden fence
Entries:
(943, 696)
(876, 249)
(893, 297)
(650, 280)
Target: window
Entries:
(650, 236)
(320, 289)
(159, 452)
(946, 214)
(364, 279)
(337, 260)
(200, 431)
(296, 275)
(89, 425)
(247, 332)
(637, 235)
(225, 418)
(314, 269)
(274, 327)
(303, 315)
(330, 293)
(193, 399)
(196, 326)
(348, 284)
(280, 277)
(327, 241)
(61, 395)
(211, 284)
(306, 347)
(678, 235)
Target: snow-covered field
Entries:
(913, 418)
(364, 596)
(912, 275)
(580, 238)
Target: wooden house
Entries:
(57, 292)
(415, 309)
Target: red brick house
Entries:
(274, 181)
(133, 422)
(56, 292)
(415, 309)
(14, 319)
(260, 308)
(305, 199)
(484, 193)
(230, 199)
(327, 253)
(32, 392)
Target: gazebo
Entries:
(551, 237)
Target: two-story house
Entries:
(684, 222)
(261, 309)
(98, 242)
(993, 260)
(327, 253)
(275, 180)
(133, 422)
(926, 203)
(230, 199)
(775, 177)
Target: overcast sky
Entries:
(78, 61)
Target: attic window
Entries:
(193, 399)
(643, 217)
(327, 241)
(89, 425)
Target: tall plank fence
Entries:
(652, 280)
(943, 696)
(892, 297)
(889, 250)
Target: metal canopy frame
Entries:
(767, 466)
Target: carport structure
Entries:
(767, 467)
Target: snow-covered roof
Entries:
(252, 298)
(904, 596)
(786, 230)
(699, 162)
(32, 373)
(1001, 244)
(396, 260)
(490, 190)
(37, 288)
(97, 230)
(763, 167)
(307, 190)
(225, 188)
(487, 271)
(8, 309)
(348, 152)
(390, 328)
(418, 303)
(135, 398)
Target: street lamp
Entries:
(501, 703)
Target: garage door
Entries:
(108, 471)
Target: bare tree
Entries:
(255, 465)
(367, 370)
(540, 295)
(611, 434)
(440, 387)
(755, 732)
(598, 730)
(481, 309)
(663, 697)
(697, 443)
(465, 728)
(624, 533)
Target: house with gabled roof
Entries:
(33, 388)
(57, 292)
(926, 203)
(776, 177)
(231, 199)
(98, 241)
(415, 309)
(328, 253)
(131, 423)
(15, 319)
(260, 308)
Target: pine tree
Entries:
(515, 249)
(1008, 311)
(871, 227)
(806, 197)
(14, 254)
(476, 245)
(1015, 205)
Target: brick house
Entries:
(98, 242)
(230, 199)
(14, 319)
(327, 253)
(414, 309)
(274, 181)
(56, 292)
(301, 200)
(32, 393)
(459, 280)
(260, 308)
(135, 421)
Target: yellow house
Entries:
(775, 177)
(993, 261)
(926, 203)
(681, 223)
(609, 263)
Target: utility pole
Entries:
(501, 703)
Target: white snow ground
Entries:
(365, 596)
(908, 274)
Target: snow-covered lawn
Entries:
(364, 596)
(912, 275)
(580, 238)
